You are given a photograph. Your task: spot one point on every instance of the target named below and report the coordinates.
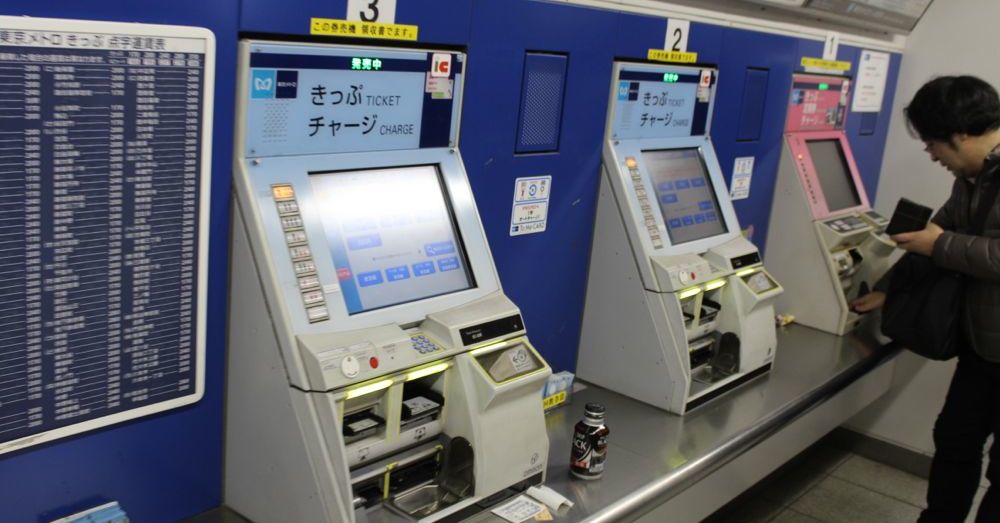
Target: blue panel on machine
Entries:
(100, 220)
(321, 100)
(542, 88)
(752, 108)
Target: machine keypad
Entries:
(423, 345)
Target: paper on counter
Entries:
(518, 509)
(552, 499)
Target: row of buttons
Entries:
(423, 345)
(301, 254)
(647, 213)
(846, 224)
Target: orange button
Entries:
(282, 192)
(373, 361)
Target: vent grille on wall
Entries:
(543, 87)
(752, 108)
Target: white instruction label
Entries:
(742, 174)
(869, 88)
(531, 205)
(518, 509)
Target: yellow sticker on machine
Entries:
(356, 29)
(819, 63)
(662, 55)
(554, 400)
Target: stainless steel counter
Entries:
(657, 459)
(653, 455)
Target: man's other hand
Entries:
(868, 302)
(920, 242)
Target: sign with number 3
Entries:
(381, 11)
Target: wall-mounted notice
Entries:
(531, 205)
(869, 88)
(104, 165)
(739, 189)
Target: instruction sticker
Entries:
(531, 205)
(334, 27)
(742, 173)
(439, 88)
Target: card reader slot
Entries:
(420, 405)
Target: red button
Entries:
(373, 361)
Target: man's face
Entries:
(952, 155)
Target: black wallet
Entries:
(909, 216)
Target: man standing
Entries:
(958, 119)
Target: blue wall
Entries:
(168, 466)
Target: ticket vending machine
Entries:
(824, 241)
(376, 370)
(679, 307)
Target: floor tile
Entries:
(793, 516)
(834, 500)
(884, 480)
(759, 510)
(791, 484)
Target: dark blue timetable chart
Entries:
(100, 209)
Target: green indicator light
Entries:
(671, 77)
(824, 87)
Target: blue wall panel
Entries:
(440, 22)
(869, 149)
(167, 466)
(545, 274)
(777, 54)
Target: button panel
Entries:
(300, 253)
(423, 344)
(649, 220)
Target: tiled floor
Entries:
(829, 485)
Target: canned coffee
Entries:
(590, 444)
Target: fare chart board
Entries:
(104, 156)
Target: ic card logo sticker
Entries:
(441, 65)
(262, 84)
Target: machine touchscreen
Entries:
(391, 234)
(685, 194)
(834, 175)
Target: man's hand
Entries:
(920, 242)
(868, 302)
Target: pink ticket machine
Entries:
(824, 241)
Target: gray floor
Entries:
(829, 485)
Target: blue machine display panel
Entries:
(100, 211)
(662, 102)
(320, 100)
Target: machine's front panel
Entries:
(828, 173)
(675, 193)
(350, 257)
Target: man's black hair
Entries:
(951, 105)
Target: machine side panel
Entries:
(269, 469)
(795, 254)
(620, 347)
